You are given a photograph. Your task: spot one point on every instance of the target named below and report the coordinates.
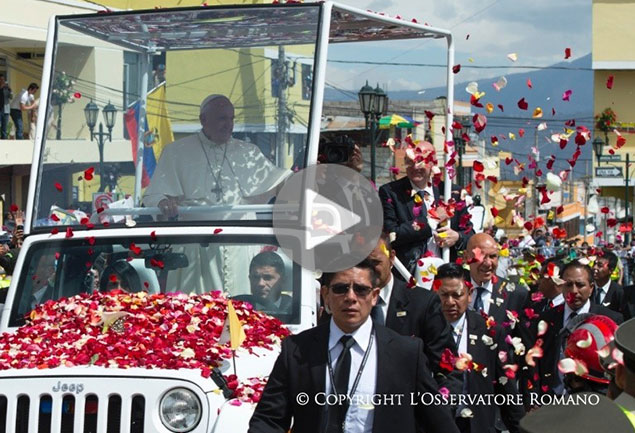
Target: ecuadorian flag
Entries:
(158, 130)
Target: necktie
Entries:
(478, 302)
(377, 313)
(598, 295)
(337, 412)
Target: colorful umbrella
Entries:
(399, 121)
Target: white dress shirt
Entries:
(360, 415)
(486, 296)
(385, 293)
(603, 291)
(459, 333)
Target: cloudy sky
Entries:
(537, 30)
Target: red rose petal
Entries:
(58, 186)
(522, 104)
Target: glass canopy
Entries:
(214, 108)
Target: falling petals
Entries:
(567, 53)
(566, 96)
(512, 56)
(489, 107)
(609, 82)
(58, 186)
(456, 68)
(522, 104)
(538, 114)
(568, 365)
(529, 83)
(88, 173)
(500, 84)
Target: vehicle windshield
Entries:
(257, 272)
(207, 107)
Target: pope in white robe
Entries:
(212, 168)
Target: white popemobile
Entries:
(89, 230)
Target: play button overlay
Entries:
(327, 217)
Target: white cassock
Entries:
(198, 169)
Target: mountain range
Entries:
(549, 86)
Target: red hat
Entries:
(585, 342)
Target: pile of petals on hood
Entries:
(124, 330)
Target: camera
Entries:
(336, 150)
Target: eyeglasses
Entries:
(342, 288)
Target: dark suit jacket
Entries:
(614, 298)
(504, 299)
(417, 312)
(410, 244)
(301, 367)
(628, 304)
(485, 415)
(547, 366)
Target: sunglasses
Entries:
(342, 288)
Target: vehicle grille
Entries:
(101, 405)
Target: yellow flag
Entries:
(236, 331)
(158, 120)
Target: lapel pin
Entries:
(401, 313)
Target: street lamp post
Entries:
(372, 102)
(90, 112)
(598, 145)
(459, 143)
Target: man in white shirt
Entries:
(606, 291)
(410, 212)
(475, 340)
(23, 102)
(350, 375)
(413, 311)
(495, 296)
(577, 291)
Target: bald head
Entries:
(217, 118)
(482, 255)
(419, 162)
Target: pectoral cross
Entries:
(217, 191)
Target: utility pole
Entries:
(281, 71)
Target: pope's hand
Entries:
(169, 205)
(445, 237)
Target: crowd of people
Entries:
(14, 107)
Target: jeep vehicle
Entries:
(89, 229)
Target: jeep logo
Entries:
(68, 387)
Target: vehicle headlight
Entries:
(180, 410)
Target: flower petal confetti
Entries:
(512, 56)
(123, 330)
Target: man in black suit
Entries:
(407, 202)
(578, 287)
(487, 376)
(493, 295)
(606, 292)
(413, 312)
(353, 365)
